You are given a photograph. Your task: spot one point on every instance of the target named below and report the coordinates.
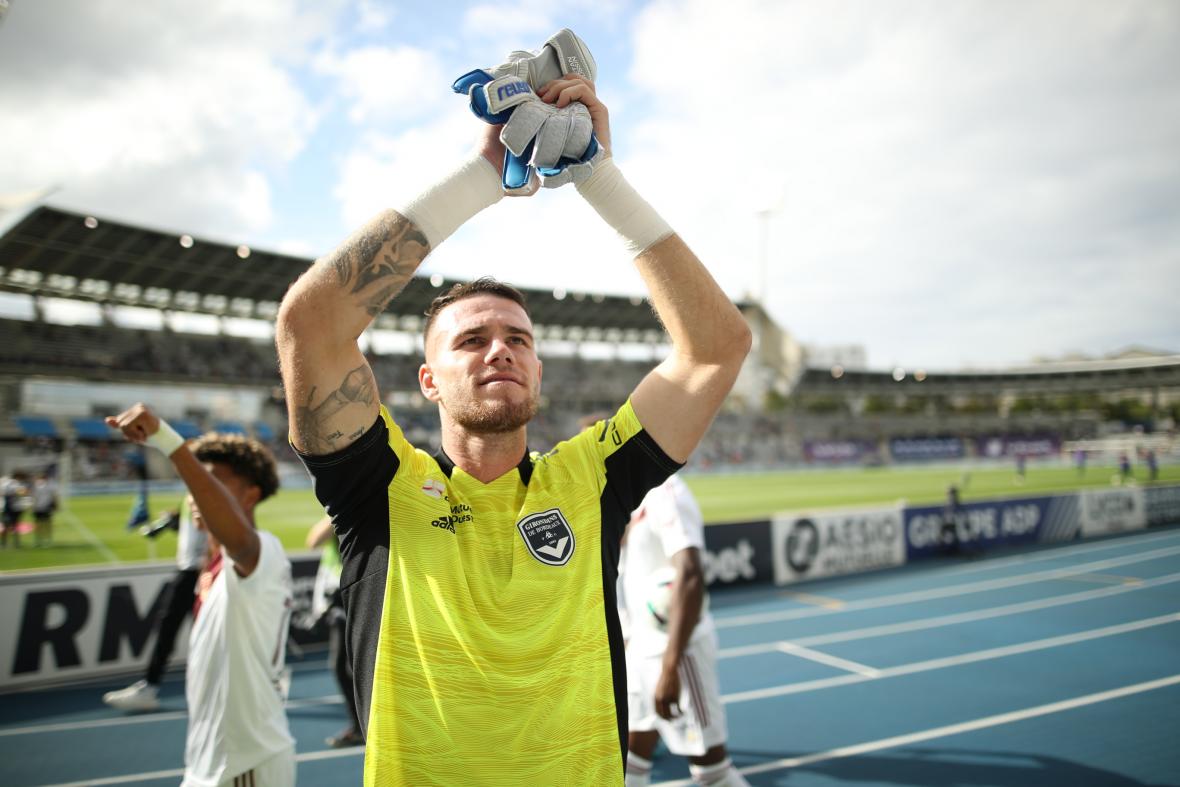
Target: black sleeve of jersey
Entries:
(353, 487)
(639, 466)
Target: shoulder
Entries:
(272, 558)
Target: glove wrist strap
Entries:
(445, 206)
(620, 206)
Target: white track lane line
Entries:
(950, 729)
(945, 591)
(923, 624)
(1063, 550)
(311, 756)
(144, 718)
(792, 649)
(953, 661)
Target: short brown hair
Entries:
(484, 285)
(248, 459)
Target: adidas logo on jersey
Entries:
(459, 515)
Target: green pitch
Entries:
(91, 530)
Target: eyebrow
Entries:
(480, 330)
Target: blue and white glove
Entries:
(564, 53)
(559, 143)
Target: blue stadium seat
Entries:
(186, 429)
(35, 426)
(92, 429)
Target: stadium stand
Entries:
(784, 410)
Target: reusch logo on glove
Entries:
(512, 89)
(576, 66)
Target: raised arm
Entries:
(220, 511)
(677, 401)
(332, 397)
(331, 394)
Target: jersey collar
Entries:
(524, 466)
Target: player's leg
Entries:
(640, 748)
(642, 735)
(175, 606)
(176, 601)
(721, 773)
(701, 702)
(278, 771)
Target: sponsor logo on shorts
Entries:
(548, 537)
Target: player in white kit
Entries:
(237, 727)
(672, 685)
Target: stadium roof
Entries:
(53, 252)
(1098, 374)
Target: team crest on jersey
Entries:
(433, 488)
(548, 537)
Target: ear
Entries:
(426, 383)
(251, 494)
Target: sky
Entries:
(949, 185)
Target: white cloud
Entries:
(975, 182)
(516, 21)
(386, 82)
(925, 152)
(374, 15)
(168, 115)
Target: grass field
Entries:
(91, 530)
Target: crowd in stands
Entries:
(104, 352)
(574, 386)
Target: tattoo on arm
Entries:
(377, 262)
(317, 434)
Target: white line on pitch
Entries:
(89, 535)
(950, 729)
(963, 589)
(793, 649)
(952, 661)
(144, 718)
(954, 619)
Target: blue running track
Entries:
(1057, 666)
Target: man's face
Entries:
(482, 366)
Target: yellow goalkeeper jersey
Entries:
(481, 617)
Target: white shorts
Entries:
(701, 724)
(278, 771)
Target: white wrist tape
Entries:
(461, 194)
(620, 206)
(165, 439)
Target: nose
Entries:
(499, 350)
